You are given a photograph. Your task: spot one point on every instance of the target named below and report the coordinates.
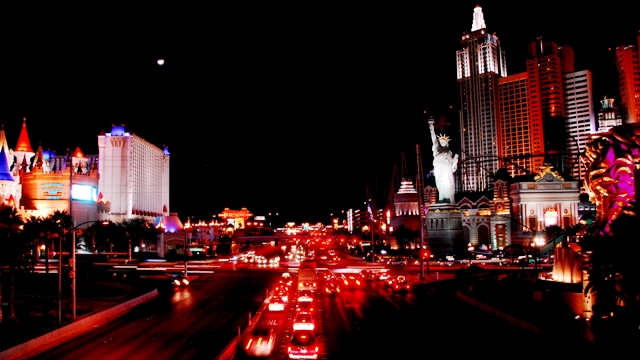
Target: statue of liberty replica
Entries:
(443, 221)
(444, 165)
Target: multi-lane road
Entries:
(367, 322)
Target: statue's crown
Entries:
(443, 137)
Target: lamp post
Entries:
(187, 226)
(59, 276)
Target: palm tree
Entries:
(32, 231)
(12, 251)
(140, 230)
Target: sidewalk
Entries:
(37, 306)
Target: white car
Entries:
(303, 322)
(276, 304)
(305, 295)
(397, 262)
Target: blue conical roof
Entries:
(5, 174)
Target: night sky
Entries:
(294, 110)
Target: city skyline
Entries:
(287, 114)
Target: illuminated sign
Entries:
(259, 218)
(52, 191)
(84, 192)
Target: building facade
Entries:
(134, 176)
(480, 63)
(38, 183)
(580, 117)
(608, 115)
(628, 65)
(521, 140)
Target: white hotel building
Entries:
(134, 176)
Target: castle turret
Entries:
(23, 148)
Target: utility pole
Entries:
(420, 210)
(72, 262)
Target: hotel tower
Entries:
(480, 63)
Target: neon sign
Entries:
(52, 191)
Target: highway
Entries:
(367, 322)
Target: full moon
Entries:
(160, 62)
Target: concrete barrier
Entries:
(79, 326)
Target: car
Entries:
(369, 275)
(328, 275)
(303, 321)
(332, 252)
(331, 287)
(400, 285)
(281, 292)
(305, 307)
(178, 280)
(384, 275)
(397, 262)
(391, 281)
(353, 280)
(305, 295)
(303, 345)
(276, 303)
(260, 341)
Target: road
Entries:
(191, 322)
(367, 322)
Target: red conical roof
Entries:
(23, 140)
(78, 153)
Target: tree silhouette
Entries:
(11, 252)
(614, 278)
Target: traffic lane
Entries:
(189, 322)
(282, 323)
(275, 320)
(383, 325)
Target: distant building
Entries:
(608, 116)
(134, 176)
(480, 63)
(38, 183)
(580, 117)
(406, 206)
(628, 65)
(521, 140)
(546, 113)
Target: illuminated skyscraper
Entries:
(628, 65)
(580, 117)
(480, 62)
(546, 112)
(518, 141)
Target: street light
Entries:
(187, 226)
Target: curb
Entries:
(79, 326)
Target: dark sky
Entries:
(274, 108)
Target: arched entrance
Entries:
(483, 235)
